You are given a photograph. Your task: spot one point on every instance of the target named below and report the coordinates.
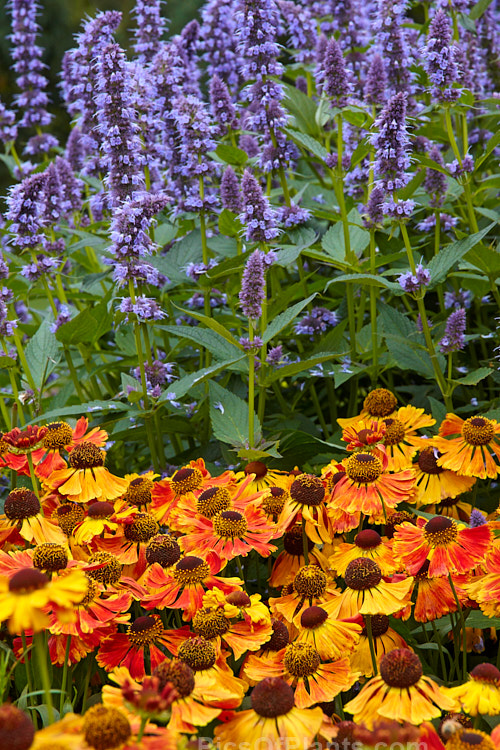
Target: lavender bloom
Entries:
(332, 74)
(411, 284)
(457, 170)
(477, 518)
(301, 29)
(4, 268)
(42, 266)
(253, 286)
(197, 301)
(40, 144)
(454, 334)
(398, 209)
(293, 215)
(195, 271)
(258, 216)
(149, 30)
(373, 209)
(376, 81)
(462, 298)
(250, 346)
(446, 223)
(222, 108)
(145, 308)
(158, 373)
(118, 126)
(75, 149)
(131, 224)
(137, 271)
(276, 357)
(435, 182)
(8, 127)
(317, 321)
(392, 151)
(28, 65)
(218, 41)
(439, 59)
(52, 195)
(230, 191)
(249, 144)
(25, 211)
(392, 43)
(72, 187)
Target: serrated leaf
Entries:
(182, 386)
(7, 362)
(285, 318)
(42, 354)
(405, 343)
(474, 377)
(231, 154)
(209, 339)
(173, 264)
(210, 323)
(229, 224)
(82, 409)
(229, 417)
(81, 328)
(452, 253)
(333, 241)
(303, 108)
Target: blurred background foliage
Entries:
(60, 20)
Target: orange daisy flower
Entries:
(299, 664)
(262, 477)
(473, 450)
(97, 521)
(331, 638)
(450, 547)
(279, 639)
(274, 716)
(140, 489)
(368, 543)
(433, 484)
(96, 610)
(311, 586)
(485, 589)
(23, 520)
(231, 533)
(481, 694)
(289, 561)
(183, 586)
(367, 593)
(86, 478)
(384, 638)
(400, 692)
(434, 595)
(306, 503)
(378, 404)
(367, 489)
(365, 434)
(128, 649)
(129, 547)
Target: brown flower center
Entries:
(186, 480)
(16, 728)
(142, 529)
(427, 461)
(100, 509)
(313, 617)
(380, 625)
(363, 467)
(310, 581)
(110, 573)
(367, 539)
(163, 549)
(307, 490)
(272, 697)
(292, 541)
(21, 503)
(212, 501)
(86, 456)
(139, 491)
(274, 502)
(178, 673)
(230, 524)
(50, 556)
(478, 431)
(470, 740)
(422, 574)
(25, 441)
(105, 728)
(301, 659)
(486, 673)
(400, 668)
(210, 623)
(362, 573)
(380, 402)
(394, 432)
(198, 653)
(280, 637)
(58, 435)
(440, 531)
(238, 599)
(145, 630)
(396, 520)
(27, 580)
(257, 468)
(191, 570)
(68, 516)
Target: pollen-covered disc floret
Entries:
(313, 617)
(274, 502)
(292, 541)
(186, 480)
(272, 697)
(486, 673)
(163, 549)
(478, 431)
(301, 659)
(230, 524)
(145, 630)
(100, 509)
(139, 491)
(92, 591)
(440, 531)
(400, 668)
(427, 461)
(310, 581)
(58, 435)
(105, 728)
(394, 431)
(362, 573)
(27, 580)
(280, 637)
(380, 625)
(470, 740)
(213, 501)
(178, 673)
(142, 529)
(307, 490)
(110, 573)
(401, 516)
(68, 516)
(380, 402)
(191, 570)
(363, 467)
(367, 539)
(198, 653)
(210, 623)
(86, 456)
(50, 556)
(21, 503)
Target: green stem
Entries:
(305, 542)
(144, 721)
(64, 676)
(437, 639)
(466, 184)
(33, 478)
(41, 653)
(462, 622)
(373, 312)
(368, 624)
(251, 388)
(29, 676)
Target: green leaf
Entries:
(474, 377)
(42, 354)
(438, 409)
(79, 329)
(229, 224)
(231, 154)
(430, 163)
(206, 338)
(282, 373)
(308, 142)
(173, 264)
(7, 361)
(367, 279)
(303, 108)
(452, 253)
(165, 233)
(333, 241)
(478, 619)
(359, 153)
(405, 343)
(210, 323)
(229, 417)
(78, 410)
(486, 259)
(492, 144)
(185, 384)
(283, 319)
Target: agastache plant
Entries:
(150, 26)
(391, 42)
(439, 56)
(218, 41)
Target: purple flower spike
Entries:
(149, 30)
(454, 334)
(219, 44)
(8, 127)
(25, 210)
(391, 40)
(411, 284)
(332, 74)
(373, 209)
(376, 81)
(435, 182)
(230, 191)
(260, 219)
(222, 107)
(253, 286)
(439, 58)
(392, 148)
